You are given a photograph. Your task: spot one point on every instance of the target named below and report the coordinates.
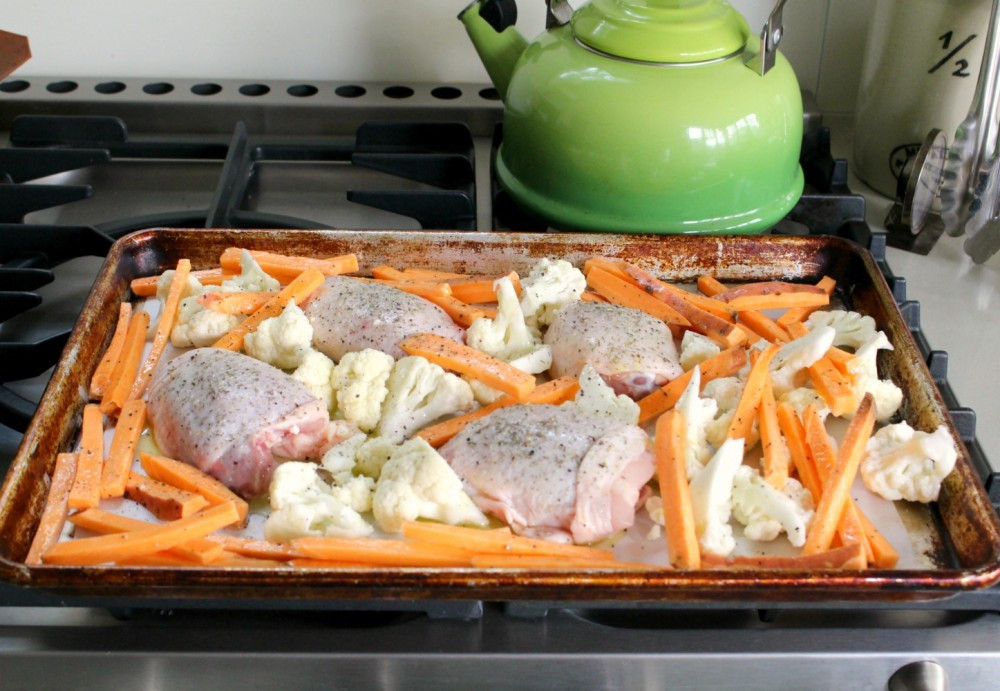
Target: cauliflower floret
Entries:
(597, 397)
(419, 393)
(417, 482)
(304, 504)
(654, 507)
(767, 512)
(548, 286)
(359, 380)
(696, 348)
(372, 455)
(282, 341)
(725, 391)
(316, 372)
(795, 356)
(888, 397)
(803, 397)
(711, 499)
(902, 463)
(698, 413)
(508, 337)
(852, 328)
(340, 459)
(198, 326)
(252, 278)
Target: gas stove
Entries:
(88, 161)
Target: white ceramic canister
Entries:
(919, 72)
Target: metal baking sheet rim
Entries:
(679, 257)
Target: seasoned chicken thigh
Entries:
(633, 351)
(231, 415)
(348, 315)
(556, 472)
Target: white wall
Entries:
(419, 40)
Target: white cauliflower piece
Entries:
(340, 459)
(793, 357)
(597, 397)
(767, 512)
(198, 326)
(698, 413)
(420, 392)
(725, 391)
(888, 397)
(359, 380)
(282, 341)
(252, 278)
(696, 348)
(372, 455)
(508, 337)
(711, 499)
(316, 372)
(417, 482)
(548, 286)
(304, 504)
(902, 463)
(852, 328)
(803, 397)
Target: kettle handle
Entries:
(557, 13)
(770, 36)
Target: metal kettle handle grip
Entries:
(770, 37)
(557, 13)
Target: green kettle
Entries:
(644, 116)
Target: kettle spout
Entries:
(497, 42)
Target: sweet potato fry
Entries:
(286, 268)
(190, 478)
(663, 399)
(257, 549)
(798, 450)
(86, 491)
(476, 290)
(242, 302)
(623, 293)
(798, 314)
(375, 552)
(682, 538)
(846, 557)
(591, 296)
(432, 274)
(298, 290)
(615, 267)
(166, 502)
(136, 543)
(460, 358)
(499, 541)
(163, 328)
(53, 518)
(833, 386)
(765, 295)
(544, 563)
(124, 374)
(746, 409)
(836, 492)
(461, 313)
(199, 551)
(130, 424)
(101, 380)
(553, 392)
(776, 457)
(145, 287)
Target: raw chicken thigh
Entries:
(349, 315)
(556, 472)
(633, 351)
(230, 415)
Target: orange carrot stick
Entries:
(190, 478)
(53, 518)
(242, 302)
(382, 552)
(776, 457)
(166, 502)
(86, 491)
(128, 365)
(746, 409)
(145, 287)
(625, 294)
(798, 314)
(101, 380)
(135, 543)
(200, 551)
(682, 538)
(475, 290)
(460, 358)
(286, 268)
(298, 290)
(131, 421)
(663, 399)
(836, 492)
(498, 541)
(553, 392)
(162, 334)
(462, 313)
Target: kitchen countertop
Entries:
(959, 305)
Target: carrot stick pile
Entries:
(192, 507)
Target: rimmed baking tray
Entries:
(963, 526)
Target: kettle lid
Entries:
(662, 31)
